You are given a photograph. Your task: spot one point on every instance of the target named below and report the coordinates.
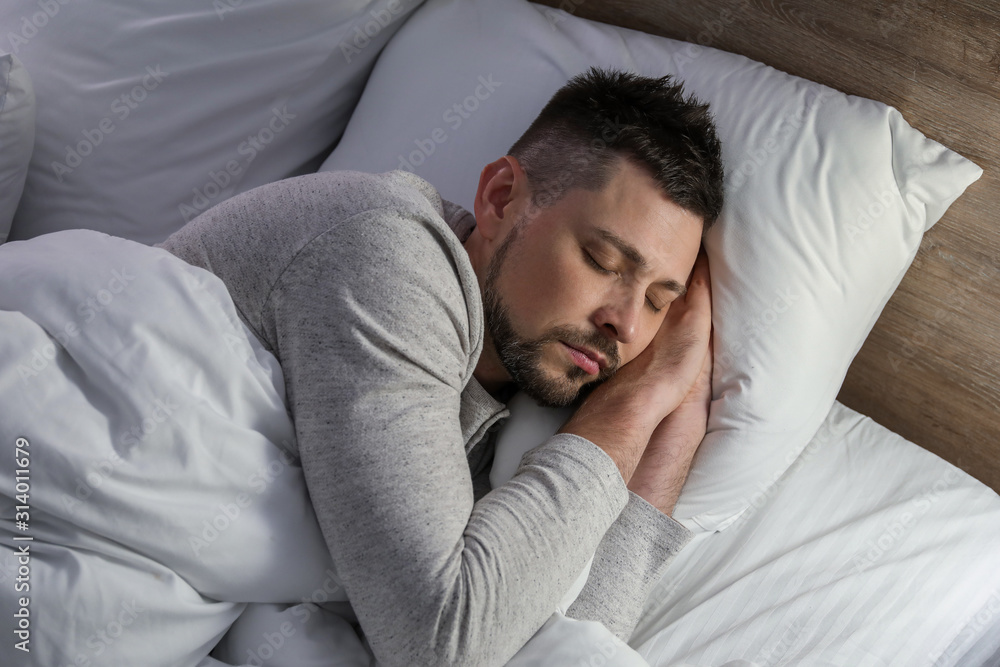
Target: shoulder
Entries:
(386, 228)
(278, 219)
(360, 217)
(391, 260)
(379, 235)
(393, 271)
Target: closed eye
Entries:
(593, 262)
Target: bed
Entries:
(854, 522)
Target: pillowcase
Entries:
(151, 112)
(17, 135)
(827, 198)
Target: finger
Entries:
(700, 271)
(698, 298)
(710, 356)
(701, 278)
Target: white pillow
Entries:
(150, 112)
(827, 198)
(17, 135)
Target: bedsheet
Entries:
(869, 552)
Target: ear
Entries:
(502, 194)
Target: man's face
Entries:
(578, 289)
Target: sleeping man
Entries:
(402, 323)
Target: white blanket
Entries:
(163, 485)
(150, 465)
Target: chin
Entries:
(556, 393)
(546, 401)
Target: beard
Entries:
(522, 357)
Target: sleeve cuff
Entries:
(631, 559)
(603, 476)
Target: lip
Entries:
(596, 357)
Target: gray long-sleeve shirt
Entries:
(363, 291)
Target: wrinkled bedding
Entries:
(165, 491)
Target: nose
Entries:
(618, 318)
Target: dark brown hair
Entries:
(603, 115)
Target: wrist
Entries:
(619, 424)
(663, 491)
(667, 460)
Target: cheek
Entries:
(546, 289)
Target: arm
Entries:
(663, 469)
(639, 546)
(376, 348)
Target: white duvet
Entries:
(149, 483)
(164, 489)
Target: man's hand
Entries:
(664, 465)
(621, 415)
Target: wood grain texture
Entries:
(930, 370)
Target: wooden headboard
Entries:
(930, 369)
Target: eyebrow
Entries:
(634, 256)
